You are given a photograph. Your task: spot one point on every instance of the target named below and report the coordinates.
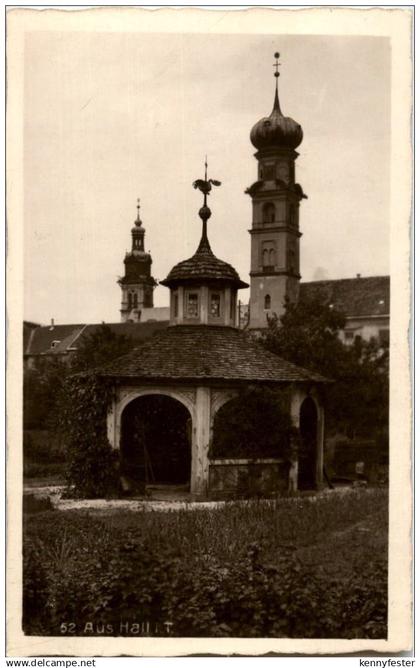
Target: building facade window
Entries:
(267, 302)
(192, 305)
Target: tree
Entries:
(100, 347)
(42, 385)
(308, 335)
(47, 400)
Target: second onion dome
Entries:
(276, 130)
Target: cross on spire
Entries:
(277, 64)
(138, 208)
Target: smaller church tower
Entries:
(137, 284)
(275, 198)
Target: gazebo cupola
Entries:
(203, 288)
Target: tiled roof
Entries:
(205, 352)
(203, 265)
(356, 297)
(70, 336)
(43, 337)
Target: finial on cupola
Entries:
(205, 187)
(138, 221)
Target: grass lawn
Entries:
(295, 567)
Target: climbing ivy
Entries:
(92, 465)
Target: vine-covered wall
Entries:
(93, 467)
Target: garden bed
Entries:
(293, 567)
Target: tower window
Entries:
(175, 305)
(268, 255)
(265, 257)
(130, 303)
(135, 300)
(269, 212)
(192, 305)
(269, 172)
(267, 302)
(215, 305)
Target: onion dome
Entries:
(276, 131)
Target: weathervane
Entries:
(205, 187)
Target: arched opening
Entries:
(308, 421)
(130, 305)
(269, 212)
(156, 441)
(253, 425)
(267, 302)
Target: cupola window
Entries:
(135, 304)
(192, 305)
(175, 305)
(215, 305)
(130, 303)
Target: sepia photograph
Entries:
(205, 271)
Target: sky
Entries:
(109, 117)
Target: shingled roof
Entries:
(356, 297)
(203, 265)
(206, 352)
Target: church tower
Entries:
(275, 214)
(137, 284)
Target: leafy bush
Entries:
(244, 570)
